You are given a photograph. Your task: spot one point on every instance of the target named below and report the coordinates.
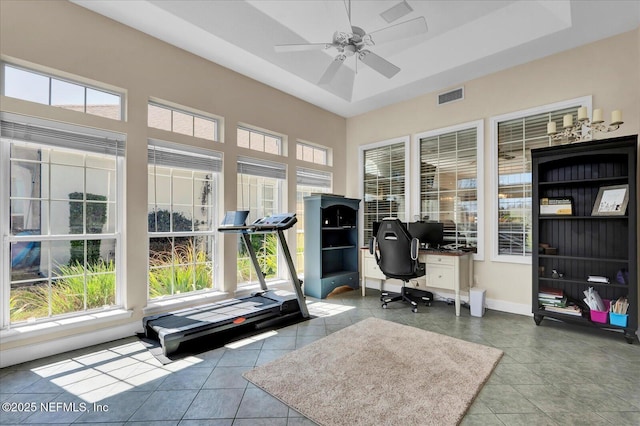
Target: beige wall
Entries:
(608, 70)
(66, 38)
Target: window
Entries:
(384, 167)
(183, 200)
(260, 188)
(308, 181)
(259, 141)
(449, 182)
(37, 87)
(312, 153)
(177, 121)
(63, 226)
(515, 135)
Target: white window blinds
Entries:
(167, 154)
(310, 177)
(263, 168)
(70, 138)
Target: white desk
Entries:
(448, 271)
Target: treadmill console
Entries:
(276, 221)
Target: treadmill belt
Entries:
(212, 313)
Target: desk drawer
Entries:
(440, 277)
(372, 270)
(440, 260)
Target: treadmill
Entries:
(262, 309)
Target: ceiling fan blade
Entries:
(332, 69)
(378, 63)
(399, 31)
(396, 12)
(280, 48)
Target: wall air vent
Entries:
(451, 96)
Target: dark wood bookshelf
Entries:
(586, 244)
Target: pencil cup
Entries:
(601, 316)
(618, 319)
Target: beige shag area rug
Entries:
(377, 372)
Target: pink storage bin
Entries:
(601, 316)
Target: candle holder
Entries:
(584, 129)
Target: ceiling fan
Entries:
(356, 43)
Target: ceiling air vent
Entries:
(451, 96)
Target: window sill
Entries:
(24, 331)
(164, 305)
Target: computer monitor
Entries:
(376, 226)
(430, 234)
(235, 218)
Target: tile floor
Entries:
(552, 374)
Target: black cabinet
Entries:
(571, 244)
(330, 244)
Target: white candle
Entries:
(551, 128)
(582, 113)
(567, 121)
(597, 115)
(616, 116)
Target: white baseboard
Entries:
(493, 304)
(56, 346)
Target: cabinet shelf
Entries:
(585, 182)
(582, 320)
(563, 281)
(337, 228)
(338, 247)
(567, 217)
(582, 258)
(601, 245)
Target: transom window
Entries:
(448, 182)
(34, 86)
(183, 200)
(180, 121)
(259, 141)
(312, 153)
(63, 220)
(516, 135)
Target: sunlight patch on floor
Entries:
(103, 374)
(325, 309)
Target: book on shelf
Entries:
(550, 293)
(553, 302)
(568, 310)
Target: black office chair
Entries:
(396, 253)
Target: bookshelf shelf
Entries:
(586, 244)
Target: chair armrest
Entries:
(415, 248)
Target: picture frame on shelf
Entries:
(611, 201)
(552, 206)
